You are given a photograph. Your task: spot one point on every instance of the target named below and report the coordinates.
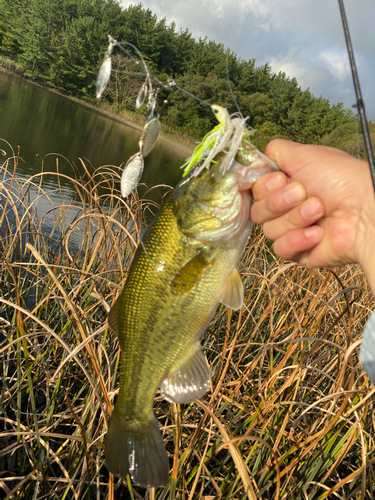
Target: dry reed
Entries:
(289, 415)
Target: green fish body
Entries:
(185, 266)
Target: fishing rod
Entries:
(360, 104)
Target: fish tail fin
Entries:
(136, 448)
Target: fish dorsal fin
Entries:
(232, 294)
(113, 316)
(190, 273)
(188, 379)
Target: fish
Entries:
(185, 266)
(131, 174)
(149, 137)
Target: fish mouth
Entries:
(235, 216)
(231, 225)
(260, 166)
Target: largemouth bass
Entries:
(184, 268)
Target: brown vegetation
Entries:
(290, 411)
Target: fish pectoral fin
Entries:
(232, 295)
(190, 273)
(189, 378)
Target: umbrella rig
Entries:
(134, 167)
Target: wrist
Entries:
(366, 239)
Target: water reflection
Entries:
(42, 122)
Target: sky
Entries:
(303, 38)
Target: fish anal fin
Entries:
(136, 448)
(188, 379)
(232, 294)
(189, 275)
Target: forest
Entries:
(290, 410)
(62, 43)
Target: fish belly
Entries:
(159, 318)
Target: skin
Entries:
(174, 286)
(320, 209)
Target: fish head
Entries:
(214, 206)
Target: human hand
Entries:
(320, 210)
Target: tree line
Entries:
(62, 42)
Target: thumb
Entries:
(285, 154)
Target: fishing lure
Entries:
(230, 135)
(142, 94)
(149, 137)
(151, 131)
(105, 69)
(132, 174)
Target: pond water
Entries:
(45, 124)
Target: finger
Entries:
(284, 153)
(294, 244)
(304, 215)
(267, 183)
(292, 156)
(278, 202)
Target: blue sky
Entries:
(303, 38)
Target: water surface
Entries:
(42, 122)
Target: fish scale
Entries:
(159, 327)
(140, 289)
(184, 267)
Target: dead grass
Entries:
(10, 65)
(289, 415)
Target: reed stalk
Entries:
(290, 412)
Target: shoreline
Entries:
(174, 142)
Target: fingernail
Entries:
(311, 209)
(294, 194)
(314, 232)
(276, 181)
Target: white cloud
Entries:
(288, 65)
(303, 38)
(336, 62)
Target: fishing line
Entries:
(192, 95)
(357, 135)
(120, 44)
(170, 85)
(360, 104)
(229, 85)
